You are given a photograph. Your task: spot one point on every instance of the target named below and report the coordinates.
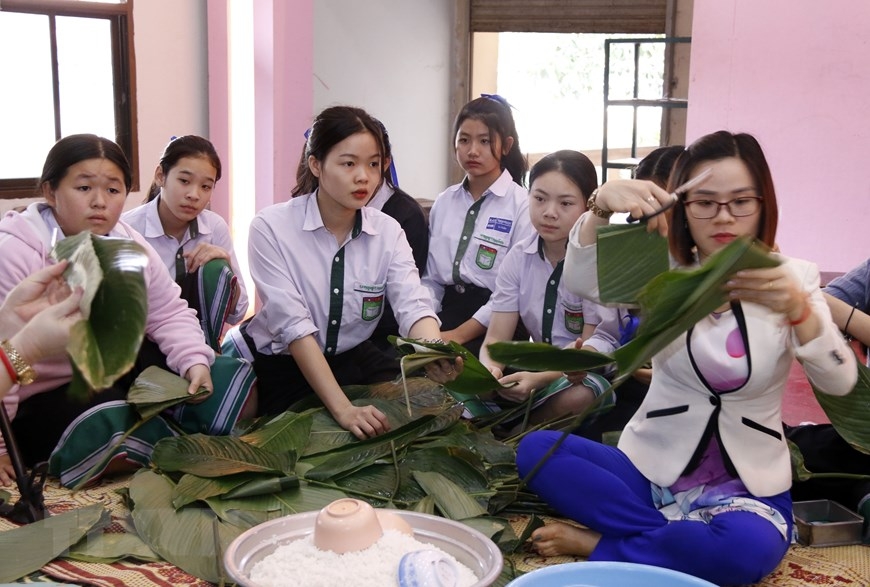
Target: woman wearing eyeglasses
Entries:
(700, 479)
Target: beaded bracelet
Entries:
(13, 375)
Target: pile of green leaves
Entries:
(203, 491)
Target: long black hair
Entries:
(330, 127)
(495, 113)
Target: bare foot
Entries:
(560, 539)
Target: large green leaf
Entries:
(453, 502)
(393, 485)
(540, 356)
(28, 548)
(214, 456)
(674, 301)
(305, 498)
(110, 547)
(628, 258)
(326, 434)
(849, 414)
(157, 389)
(191, 538)
(105, 346)
(353, 457)
(286, 433)
(191, 488)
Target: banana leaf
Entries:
(475, 379)
(674, 301)
(192, 539)
(105, 345)
(28, 548)
(425, 506)
(628, 258)
(111, 547)
(540, 356)
(453, 502)
(264, 486)
(394, 483)
(191, 488)
(326, 434)
(287, 433)
(215, 456)
(157, 389)
(353, 457)
(849, 414)
(305, 498)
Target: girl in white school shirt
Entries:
(530, 287)
(176, 220)
(324, 264)
(473, 224)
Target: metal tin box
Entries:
(824, 522)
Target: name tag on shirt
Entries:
(499, 224)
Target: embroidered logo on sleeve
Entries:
(372, 307)
(499, 224)
(486, 257)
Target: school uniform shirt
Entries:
(664, 434)
(311, 285)
(501, 221)
(26, 242)
(528, 284)
(208, 227)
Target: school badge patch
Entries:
(574, 321)
(486, 257)
(372, 307)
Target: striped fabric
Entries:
(102, 428)
(218, 294)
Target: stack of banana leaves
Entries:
(201, 492)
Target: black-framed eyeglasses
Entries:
(738, 207)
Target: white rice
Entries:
(301, 563)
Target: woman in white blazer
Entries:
(700, 479)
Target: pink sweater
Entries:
(25, 242)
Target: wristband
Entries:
(849, 319)
(804, 315)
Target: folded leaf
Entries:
(475, 379)
(453, 502)
(157, 389)
(105, 346)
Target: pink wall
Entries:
(797, 76)
(283, 86)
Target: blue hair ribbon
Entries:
(497, 98)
